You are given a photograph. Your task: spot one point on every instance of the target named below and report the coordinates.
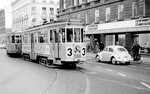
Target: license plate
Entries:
(77, 55)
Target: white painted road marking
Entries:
(122, 74)
(99, 67)
(146, 67)
(86, 64)
(109, 70)
(145, 84)
(91, 72)
(87, 90)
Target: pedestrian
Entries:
(135, 51)
(117, 43)
(101, 46)
(97, 47)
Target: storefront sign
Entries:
(143, 22)
(93, 27)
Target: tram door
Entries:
(32, 46)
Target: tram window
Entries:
(8, 39)
(51, 36)
(20, 39)
(63, 35)
(42, 37)
(13, 38)
(82, 35)
(35, 37)
(17, 39)
(56, 36)
(25, 38)
(69, 35)
(77, 35)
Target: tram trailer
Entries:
(13, 44)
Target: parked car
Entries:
(114, 54)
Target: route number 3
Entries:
(69, 52)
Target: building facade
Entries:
(111, 21)
(28, 13)
(2, 21)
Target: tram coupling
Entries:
(79, 61)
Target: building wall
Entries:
(2, 21)
(81, 10)
(27, 13)
(99, 5)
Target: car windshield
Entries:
(121, 49)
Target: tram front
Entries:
(73, 43)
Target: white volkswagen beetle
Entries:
(114, 54)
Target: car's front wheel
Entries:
(97, 58)
(113, 60)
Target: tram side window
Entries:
(42, 37)
(8, 39)
(69, 35)
(35, 37)
(25, 38)
(20, 38)
(63, 35)
(77, 35)
(82, 35)
(51, 36)
(56, 36)
(13, 38)
(17, 39)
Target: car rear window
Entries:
(122, 49)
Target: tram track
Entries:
(88, 83)
(53, 83)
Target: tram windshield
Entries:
(15, 39)
(73, 35)
(69, 34)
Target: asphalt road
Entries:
(23, 77)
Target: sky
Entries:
(5, 3)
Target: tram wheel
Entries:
(49, 62)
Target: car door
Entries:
(109, 53)
(104, 54)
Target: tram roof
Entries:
(10, 33)
(55, 24)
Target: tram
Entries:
(61, 42)
(13, 43)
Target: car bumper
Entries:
(125, 61)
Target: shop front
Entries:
(122, 33)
